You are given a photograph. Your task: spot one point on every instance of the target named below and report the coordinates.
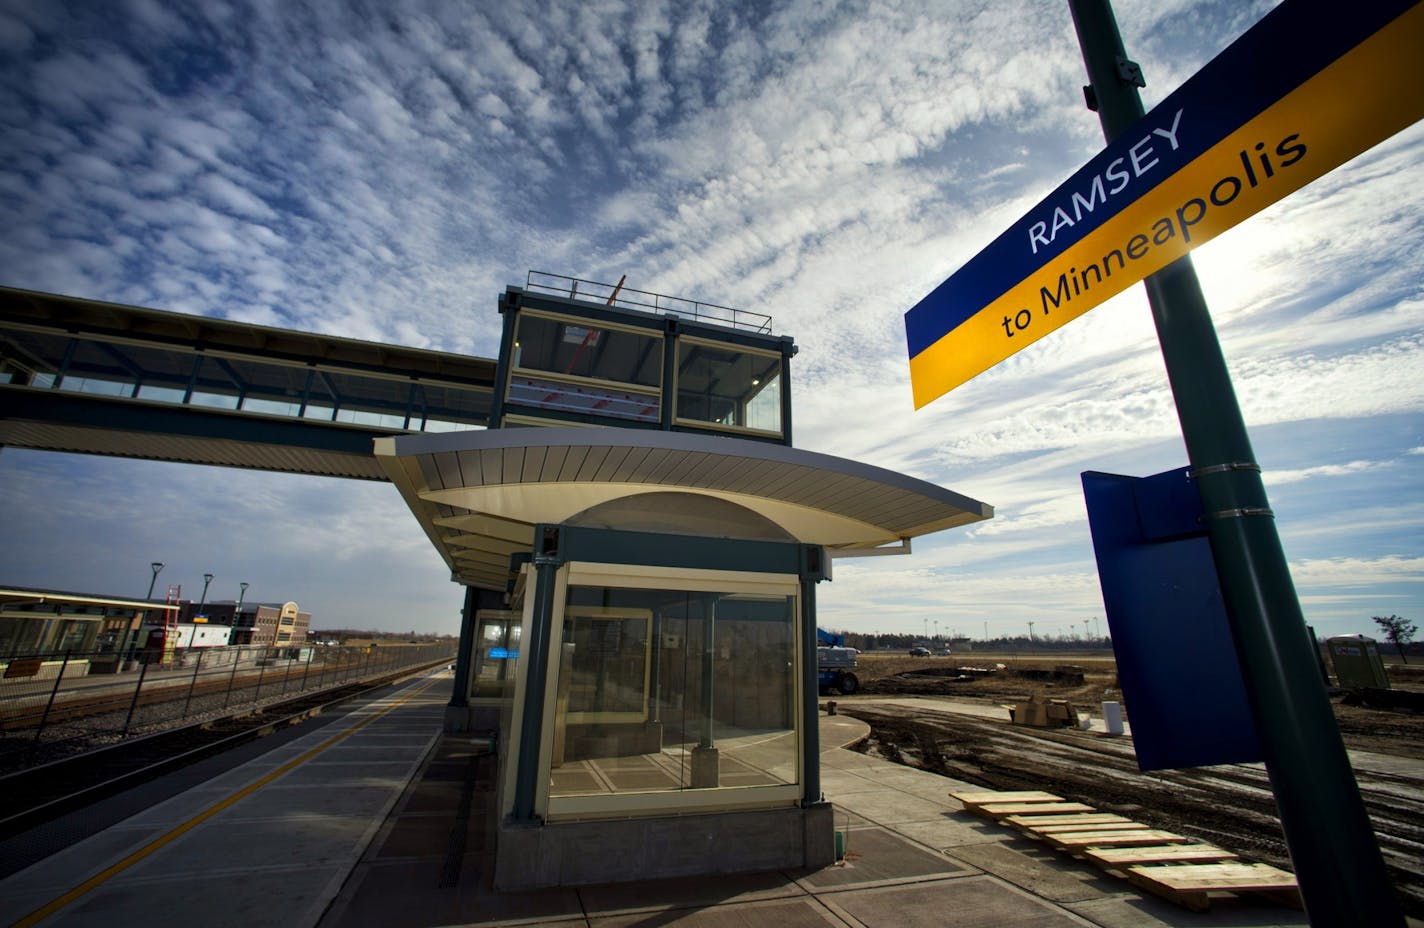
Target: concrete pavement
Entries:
(913, 858)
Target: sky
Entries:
(384, 171)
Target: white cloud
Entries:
(385, 177)
(1354, 571)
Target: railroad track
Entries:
(1231, 806)
(42, 793)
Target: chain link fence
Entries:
(57, 705)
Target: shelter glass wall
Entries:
(670, 691)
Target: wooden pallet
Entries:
(998, 810)
(979, 797)
(1079, 818)
(1146, 837)
(1113, 858)
(1192, 885)
(1168, 865)
(1035, 831)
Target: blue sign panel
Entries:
(1176, 661)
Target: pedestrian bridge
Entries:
(101, 378)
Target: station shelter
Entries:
(641, 547)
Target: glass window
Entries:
(583, 398)
(365, 417)
(213, 400)
(272, 407)
(727, 386)
(661, 690)
(101, 387)
(160, 394)
(496, 654)
(608, 665)
(572, 347)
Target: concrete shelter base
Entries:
(587, 853)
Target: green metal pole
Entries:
(810, 698)
(460, 691)
(1342, 876)
(536, 652)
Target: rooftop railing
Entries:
(613, 294)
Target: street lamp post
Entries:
(202, 601)
(237, 615)
(127, 641)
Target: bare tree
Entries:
(1398, 631)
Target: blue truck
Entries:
(836, 664)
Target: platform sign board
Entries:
(1176, 660)
(1310, 86)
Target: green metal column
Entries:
(1337, 860)
(810, 697)
(509, 309)
(459, 698)
(788, 351)
(536, 652)
(668, 388)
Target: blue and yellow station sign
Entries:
(1310, 86)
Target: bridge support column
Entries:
(457, 711)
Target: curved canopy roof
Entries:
(478, 494)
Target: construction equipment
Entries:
(1044, 713)
(835, 663)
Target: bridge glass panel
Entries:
(229, 380)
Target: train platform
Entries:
(371, 816)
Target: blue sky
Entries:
(384, 171)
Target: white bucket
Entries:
(1112, 717)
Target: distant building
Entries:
(35, 621)
(216, 613)
(191, 636)
(280, 624)
(270, 624)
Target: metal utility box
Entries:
(1357, 662)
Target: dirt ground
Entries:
(1088, 679)
(1231, 806)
